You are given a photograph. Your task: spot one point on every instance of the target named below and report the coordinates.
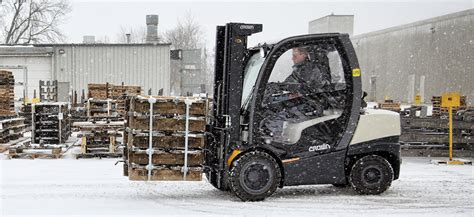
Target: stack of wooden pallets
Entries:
(7, 84)
(436, 101)
(99, 91)
(166, 156)
(101, 109)
(11, 128)
(25, 112)
(120, 93)
(390, 105)
(439, 111)
(99, 139)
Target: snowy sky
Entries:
(279, 18)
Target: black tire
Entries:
(371, 174)
(254, 176)
(212, 178)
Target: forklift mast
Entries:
(231, 52)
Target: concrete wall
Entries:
(332, 23)
(428, 57)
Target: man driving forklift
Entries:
(294, 95)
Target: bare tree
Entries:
(33, 21)
(188, 34)
(137, 35)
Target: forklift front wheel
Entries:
(254, 176)
(371, 174)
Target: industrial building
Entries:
(188, 72)
(424, 58)
(332, 23)
(145, 64)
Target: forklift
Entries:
(268, 132)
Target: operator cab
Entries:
(303, 101)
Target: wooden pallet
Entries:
(170, 106)
(99, 91)
(196, 124)
(392, 106)
(35, 153)
(166, 142)
(23, 140)
(99, 155)
(91, 144)
(11, 129)
(195, 158)
(7, 106)
(164, 174)
(26, 151)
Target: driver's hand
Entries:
(295, 95)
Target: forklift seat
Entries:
(293, 128)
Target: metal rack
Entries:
(51, 123)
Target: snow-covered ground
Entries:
(96, 187)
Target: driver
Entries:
(305, 80)
(306, 73)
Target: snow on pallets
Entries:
(99, 138)
(166, 157)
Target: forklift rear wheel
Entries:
(371, 174)
(254, 176)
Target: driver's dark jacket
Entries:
(309, 78)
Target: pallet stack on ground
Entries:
(25, 112)
(51, 123)
(390, 105)
(7, 84)
(101, 109)
(120, 93)
(430, 135)
(78, 114)
(32, 151)
(11, 128)
(99, 91)
(441, 112)
(166, 156)
(99, 138)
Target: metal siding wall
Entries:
(444, 57)
(145, 65)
